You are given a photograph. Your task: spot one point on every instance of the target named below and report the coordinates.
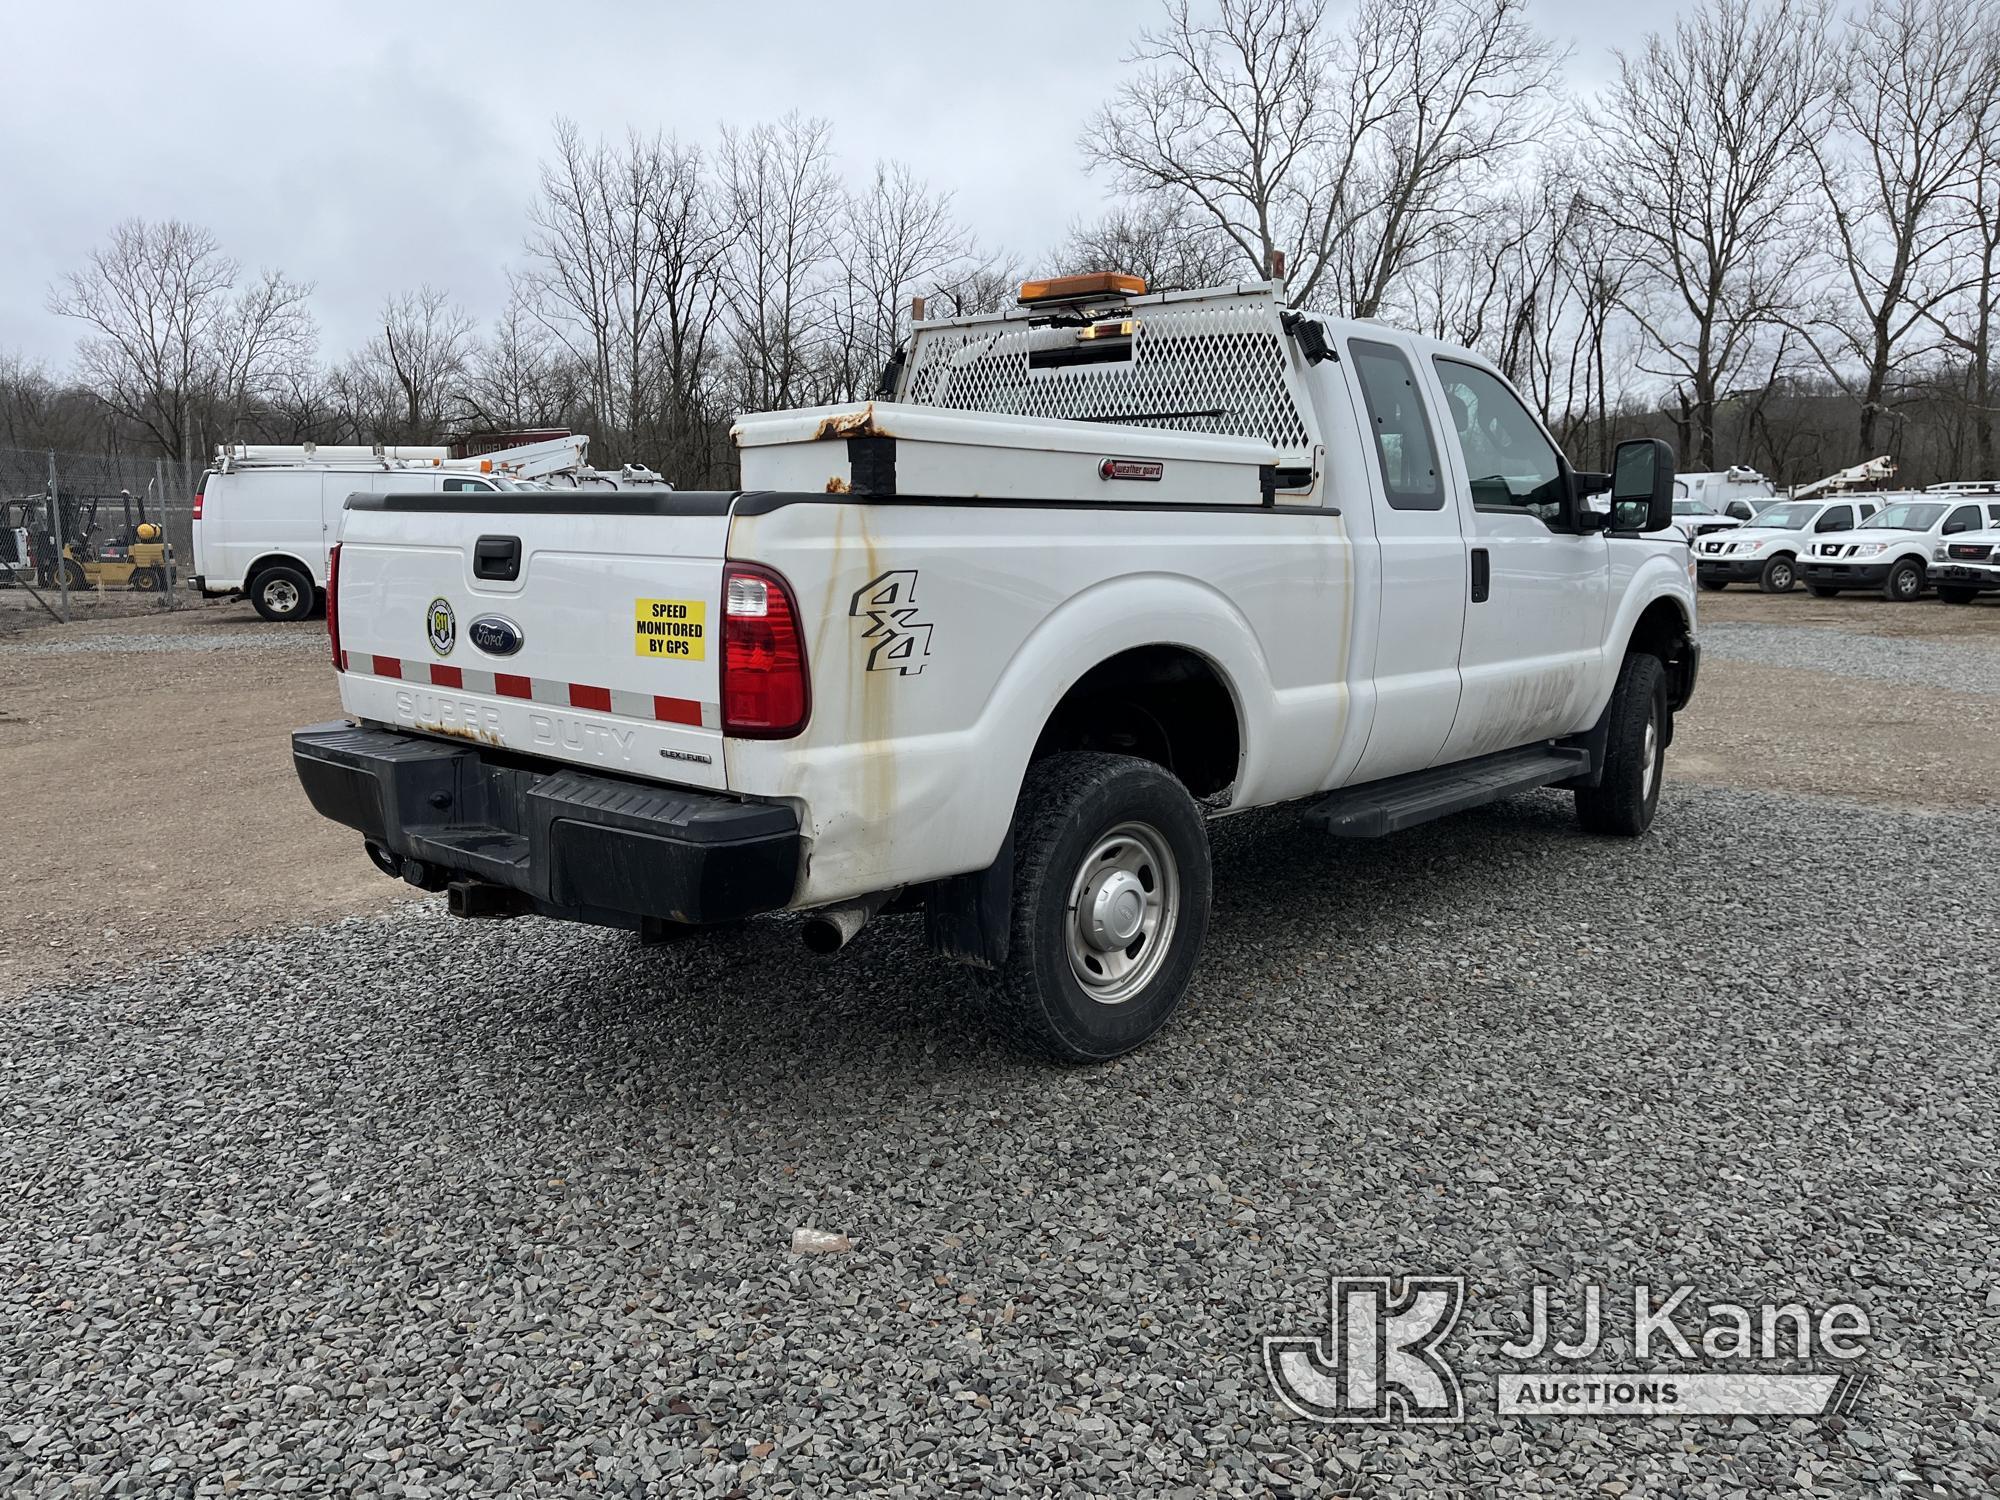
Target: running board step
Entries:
(1384, 807)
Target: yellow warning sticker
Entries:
(676, 628)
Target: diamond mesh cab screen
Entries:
(1218, 364)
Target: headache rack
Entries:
(1179, 397)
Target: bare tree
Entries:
(176, 346)
(1158, 237)
(1706, 176)
(1352, 153)
(410, 375)
(1917, 82)
(1971, 331)
(781, 196)
(899, 239)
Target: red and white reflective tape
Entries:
(626, 705)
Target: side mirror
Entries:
(1953, 528)
(1642, 485)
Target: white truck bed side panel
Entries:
(944, 635)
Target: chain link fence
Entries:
(71, 536)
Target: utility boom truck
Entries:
(996, 646)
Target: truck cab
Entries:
(998, 644)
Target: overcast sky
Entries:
(368, 146)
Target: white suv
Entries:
(1892, 549)
(1766, 551)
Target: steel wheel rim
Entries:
(1124, 904)
(282, 595)
(1651, 771)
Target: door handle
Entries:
(497, 558)
(1482, 575)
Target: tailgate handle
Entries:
(497, 557)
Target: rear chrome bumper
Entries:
(588, 848)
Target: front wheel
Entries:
(74, 578)
(1635, 753)
(1778, 575)
(1905, 581)
(1111, 899)
(1956, 596)
(1821, 591)
(148, 580)
(1715, 585)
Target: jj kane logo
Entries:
(898, 640)
(1384, 1356)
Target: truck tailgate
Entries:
(575, 625)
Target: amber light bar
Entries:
(1081, 288)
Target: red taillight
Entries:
(333, 606)
(765, 695)
(197, 505)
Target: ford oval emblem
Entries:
(495, 636)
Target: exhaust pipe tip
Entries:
(832, 928)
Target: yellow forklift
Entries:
(134, 556)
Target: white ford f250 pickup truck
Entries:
(996, 645)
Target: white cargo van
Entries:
(266, 514)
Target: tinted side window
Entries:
(458, 486)
(1840, 518)
(1512, 466)
(1965, 518)
(1405, 451)
(1993, 515)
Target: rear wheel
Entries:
(1957, 596)
(282, 593)
(1635, 753)
(1905, 581)
(148, 580)
(1111, 898)
(1778, 576)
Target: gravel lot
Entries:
(1963, 667)
(403, 1206)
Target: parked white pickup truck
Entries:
(996, 645)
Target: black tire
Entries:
(148, 580)
(1779, 574)
(1956, 596)
(1072, 807)
(74, 578)
(1715, 585)
(1821, 591)
(1625, 799)
(282, 593)
(1905, 581)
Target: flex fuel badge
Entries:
(676, 628)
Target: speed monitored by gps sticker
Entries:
(670, 627)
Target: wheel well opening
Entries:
(1165, 704)
(272, 560)
(1662, 631)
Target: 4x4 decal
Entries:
(902, 642)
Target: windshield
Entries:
(1904, 518)
(1788, 517)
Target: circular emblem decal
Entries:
(443, 626)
